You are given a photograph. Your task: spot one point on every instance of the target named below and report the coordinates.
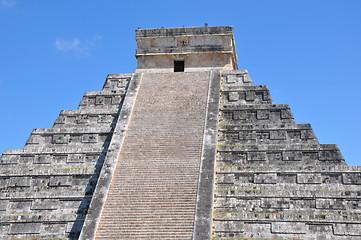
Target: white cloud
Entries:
(7, 3)
(67, 45)
(75, 45)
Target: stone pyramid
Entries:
(185, 148)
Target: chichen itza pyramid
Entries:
(184, 148)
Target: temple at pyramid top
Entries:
(186, 49)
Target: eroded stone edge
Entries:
(100, 194)
(203, 215)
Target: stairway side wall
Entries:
(107, 173)
(203, 214)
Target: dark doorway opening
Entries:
(178, 66)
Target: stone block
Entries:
(311, 178)
(353, 205)
(225, 178)
(75, 138)
(25, 228)
(310, 156)
(71, 120)
(249, 205)
(233, 79)
(9, 159)
(275, 203)
(278, 135)
(20, 182)
(70, 204)
(99, 100)
(80, 180)
(263, 114)
(274, 156)
(229, 226)
(335, 178)
(26, 159)
(257, 229)
(250, 95)
(4, 182)
(89, 101)
(91, 158)
(244, 177)
(43, 159)
(40, 182)
(275, 115)
(60, 139)
(20, 206)
(233, 96)
(226, 115)
(53, 228)
(329, 155)
(4, 228)
(307, 134)
(287, 228)
(351, 178)
(89, 138)
(263, 135)
(105, 119)
(45, 204)
(57, 181)
(304, 203)
(238, 157)
(60, 158)
(330, 204)
(256, 156)
(292, 156)
(247, 135)
(239, 115)
(347, 229)
(268, 178)
(325, 229)
(231, 136)
(82, 119)
(75, 158)
(286, 114)
(229, 202)
(294, 134)
(247, 78)
(4, 204)
(116, 100)
(286, 178)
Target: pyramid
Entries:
(187, 147)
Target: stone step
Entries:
(160, 157)
(270, 217)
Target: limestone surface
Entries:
(47, 186)
(185, 148)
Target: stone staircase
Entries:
(154, 187)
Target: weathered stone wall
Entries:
(273, 179)
(47, 186)
(201, 48)
(193, 62)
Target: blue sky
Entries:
(307, 52)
